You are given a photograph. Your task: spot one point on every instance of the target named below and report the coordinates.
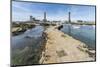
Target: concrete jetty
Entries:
(60, 47)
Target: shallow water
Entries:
(30, 37)
(25, 47)
(84, 33)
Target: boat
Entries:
(76, 26)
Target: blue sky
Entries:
(22, 10)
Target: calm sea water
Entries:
(84, 33)
(28, 38)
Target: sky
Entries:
(21, 11)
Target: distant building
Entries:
(32, 19)
(79, 21)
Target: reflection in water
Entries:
(26, 48)
(84, 33)
(32, 33)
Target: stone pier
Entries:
(60, 47)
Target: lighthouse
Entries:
(44, 17)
